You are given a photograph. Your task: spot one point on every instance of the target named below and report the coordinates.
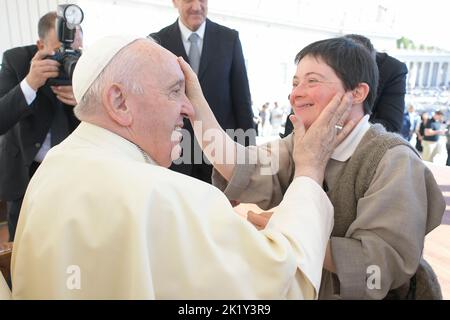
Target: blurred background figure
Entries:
(434, 139)
(264, 116)
(411, 123)
(276, 119)
(420, 132)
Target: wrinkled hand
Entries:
(193, 89)
(313, 149)
(259, 220)
(65, 94)
(41, 69)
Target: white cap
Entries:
(95, 59)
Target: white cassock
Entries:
(5, 294)
(99, 222)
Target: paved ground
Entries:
(437, 242)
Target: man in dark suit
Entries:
(215, 54)
(389, 104)
(33, 116)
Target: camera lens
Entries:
(70, 62)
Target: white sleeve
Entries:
(5, 293)
(28, 92)
(306, 218)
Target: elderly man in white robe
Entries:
(103, 217)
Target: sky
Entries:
(425, 22)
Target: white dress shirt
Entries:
(345, 150)
(186, 33)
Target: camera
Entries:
(69, 18)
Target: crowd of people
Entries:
(270, 119)
(107, 210)
(428, 132)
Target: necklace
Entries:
(144, 154)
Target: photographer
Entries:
(33, 115)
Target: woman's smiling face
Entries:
(314, 84)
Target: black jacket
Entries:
(23, 128)
(389, 104)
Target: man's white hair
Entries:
(122, 69)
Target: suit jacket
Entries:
(389, 103)
(223, 78)
(23, 127)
